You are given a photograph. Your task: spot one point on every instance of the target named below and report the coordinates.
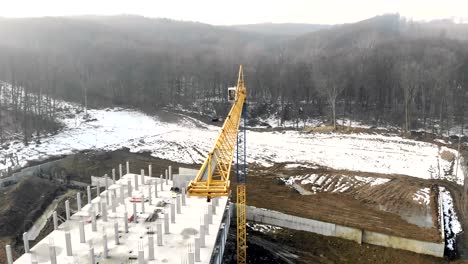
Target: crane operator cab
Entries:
(232, 94)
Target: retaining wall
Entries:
(355, 234)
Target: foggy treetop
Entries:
(384, 69)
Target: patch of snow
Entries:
(296, 166)
(321, 183)
(379, 181)
(451, 224)
(309, 179)
(263, 228)
(441, 141)
(422, 196)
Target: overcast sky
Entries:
(220, 12)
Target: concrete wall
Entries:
(28, 172)
(418, 246)
(289, 221)
(329, 229)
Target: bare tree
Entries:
(410, 73)
(328, 77)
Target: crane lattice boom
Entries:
(213, 177)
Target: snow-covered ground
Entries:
(452, 225)
(188, 141)
(322, 183)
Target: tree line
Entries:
(385, 70)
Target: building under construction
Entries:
(136, 218)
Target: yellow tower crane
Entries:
(213, 177)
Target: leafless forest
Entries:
(385, 70)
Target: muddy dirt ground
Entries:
(287, 246)
(351, 209)
(21, 204)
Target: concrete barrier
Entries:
(418, 246)
(289, 221)
(350, 233)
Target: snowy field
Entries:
(188, 141)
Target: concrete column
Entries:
(141, 256)
(78, 201)
(166, 224)
(167, 177)
(128, 167)
(116, 233)
(98, 188)
(216, 201)
(113, 203)
(149, 194)
(92, 259)
(26, 242)
(206, 224)
(68, 244)
(159, 234)
(52, 254)
(136, 181)
(173, 212)
(113, 176)
(104, 212)
(107, 197)
(82, 232)
(213, 209)
(210, 214)
(162, 183)
(55, 220)
(142, 176)
(93, 221)
(155, 188)
(170, 173)
(106, 180)
(183, 197)
(120, 171)
(129, 188)
(143, 204)
(134, 213)
(34, 259)
(99, 207)
(9, 254)
(67, 209)
(179, 210)
(150, 247)
(126, 222)
(88, 193)
(122, 194)
(191, 257)
(150, 170)
(105, 250)
(202, 236)
(197, 250)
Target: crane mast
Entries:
(212, 179)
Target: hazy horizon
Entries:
(244, 12)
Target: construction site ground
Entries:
(286, 246)
(376, 209)
(266, 190)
